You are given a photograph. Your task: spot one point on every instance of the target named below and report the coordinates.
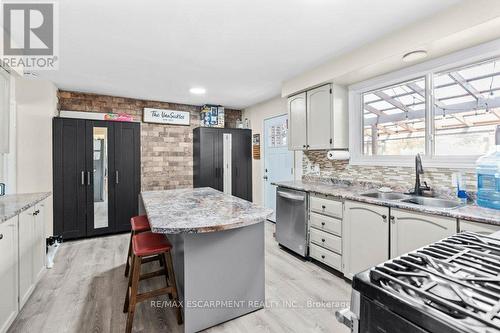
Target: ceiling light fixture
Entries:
(414, 55)
(197, 91)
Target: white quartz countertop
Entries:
(199, 210)
(14, 204)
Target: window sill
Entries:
(448, 162)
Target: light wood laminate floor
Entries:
(84, 292)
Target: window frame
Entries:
(428, 69)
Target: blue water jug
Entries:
(488, 176)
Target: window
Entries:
(394, 119)
(466, 109)
(446, 109)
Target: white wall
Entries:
(36, 106)
(464, 25)
(256, 114)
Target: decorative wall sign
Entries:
(212, 116)
(162, 116)
(256, 146)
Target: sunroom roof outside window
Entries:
(466, 109)
(394, 119)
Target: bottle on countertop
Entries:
(488, 176)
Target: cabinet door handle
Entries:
(323, 206)
(1, 236)
(323, 256)
(117, 177)
(322, 223)
(88, 178)
(384, 217)
(83, 178)
(323, 240)
(393, 219)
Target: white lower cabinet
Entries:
(480, 228)
(325, 256)
(22, 260)
(26, 240)
(365, 237)
(410, 231)
(8, 272)
(31, 250)
(39, 243)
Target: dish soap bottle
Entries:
(488, 176)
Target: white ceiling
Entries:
(240, 51)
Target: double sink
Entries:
(416, 200)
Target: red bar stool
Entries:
(145, 245)
(139, 224)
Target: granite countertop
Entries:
(353, 192)
(14, 204)
(199, 210)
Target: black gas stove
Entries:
(447, 287)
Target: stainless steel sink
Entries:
(385, 196)
(433, 202)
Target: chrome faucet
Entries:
(419, 170)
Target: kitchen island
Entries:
(218, 251)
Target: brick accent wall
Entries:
(166, 150)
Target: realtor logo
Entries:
(30, 35)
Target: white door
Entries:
(297, 122)
(319, 118)
(365, 237)
(278, 160)
(8, 273)
(410, 231)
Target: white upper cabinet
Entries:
(318, 119)
(297, 126)
(4, 111)
(410, 231)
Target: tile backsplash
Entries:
(316, 164)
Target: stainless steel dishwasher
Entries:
(291, 219)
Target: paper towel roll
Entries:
(338, 155)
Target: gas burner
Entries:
(459, 277)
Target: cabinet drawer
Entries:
(326, 223)
(326, 240)
(329, 258)
(326, 206)
(480, 228)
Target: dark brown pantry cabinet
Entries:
(96, 176)
(222, 160)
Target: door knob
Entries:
(1, 236)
